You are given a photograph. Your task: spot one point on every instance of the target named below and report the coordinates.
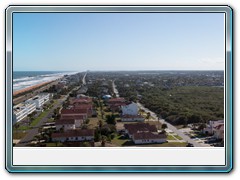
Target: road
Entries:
(171, 127)
(115, 89)
(84, 79)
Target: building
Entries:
(21, 111)
(81, 100)
(148, 138)
(218, 131)
(84, 107)
(40, 99)
(131, 129)
(144, 133)
(74, 136)
(211, 126)
(130, 109)
(79, 119)
(65, 124)
(74, 112)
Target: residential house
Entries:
(148, 138)
(74, 112)
(130, 109)
(211, 126)
(144, 133)
(74, 135)
(66, 124)
(218, 131)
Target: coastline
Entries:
(30, 88)
(26, 93)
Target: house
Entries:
(148, 138)
(87, 107)
(115, 101)
(81, 100)
(130, 109)
(66, 124)
(211, 126)
(131, 129)
(117, 106)
(74, 112)
(144, 133)
(132, 118)
(74, 135)
(79, 119)
(218, 131)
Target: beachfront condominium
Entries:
(21, 111)
(39, 100)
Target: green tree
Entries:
(164, 126)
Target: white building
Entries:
(148, 138)
(66, 124)
(74, 135)
(130, 109)
(218, 132)
(40, 99)
(21, 111)
(211, 126)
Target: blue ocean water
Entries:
(25, 79)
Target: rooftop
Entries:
(74, 133)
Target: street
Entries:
(172, 128)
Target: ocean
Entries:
(25, 79)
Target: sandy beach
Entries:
(30, 88)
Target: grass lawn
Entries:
(118, 141)
(50, 120)
(18, 135)
(170, 137)
(24, 128)
(36, 120)
(93, 123)
(178, 137)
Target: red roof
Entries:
(74, 133)
(65, 121)
(114, 100)
(75, 117)
(140, 127)
(74, 111)
(148, 135)
(83, 106)
(220, 127)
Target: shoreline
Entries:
(15, 93)
(26, 93)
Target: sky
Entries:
(118, 41)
